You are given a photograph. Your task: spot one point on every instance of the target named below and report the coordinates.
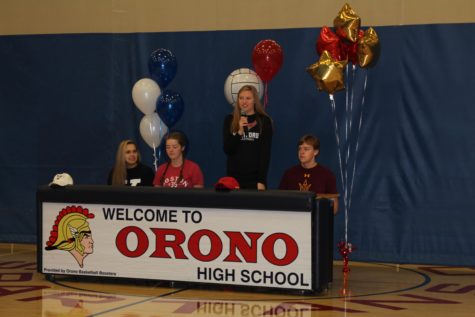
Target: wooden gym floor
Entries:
(373, 290)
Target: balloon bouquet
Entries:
(348, 44)
(161, 109)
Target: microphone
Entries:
(244, 114)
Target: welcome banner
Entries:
(265, 248)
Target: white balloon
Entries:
(145, 94)
(239, 78)
(152, 130)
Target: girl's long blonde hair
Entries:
(119, 173)
(258, 108)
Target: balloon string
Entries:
(346, 102)
(357, 140)
(154, 147)
(155, 159)
(349, 124)
(161, 138)
(346, 143)
(349, 84)
(266, 98)
(337, 137)
(352, 94)
(349, 119)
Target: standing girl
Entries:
(247, 136)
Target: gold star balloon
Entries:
(368, 48)
(347, 24)
(328, 73)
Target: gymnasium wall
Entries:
(67, 69)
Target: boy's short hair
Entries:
(310, 140)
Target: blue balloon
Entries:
(170, 107)
(162, 66)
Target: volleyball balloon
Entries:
(238, 78)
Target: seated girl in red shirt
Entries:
(178, 172)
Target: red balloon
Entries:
(329, 41)
(349, 50)
(267, 58)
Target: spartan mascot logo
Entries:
(71, 233)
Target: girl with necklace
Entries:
(178, 172)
